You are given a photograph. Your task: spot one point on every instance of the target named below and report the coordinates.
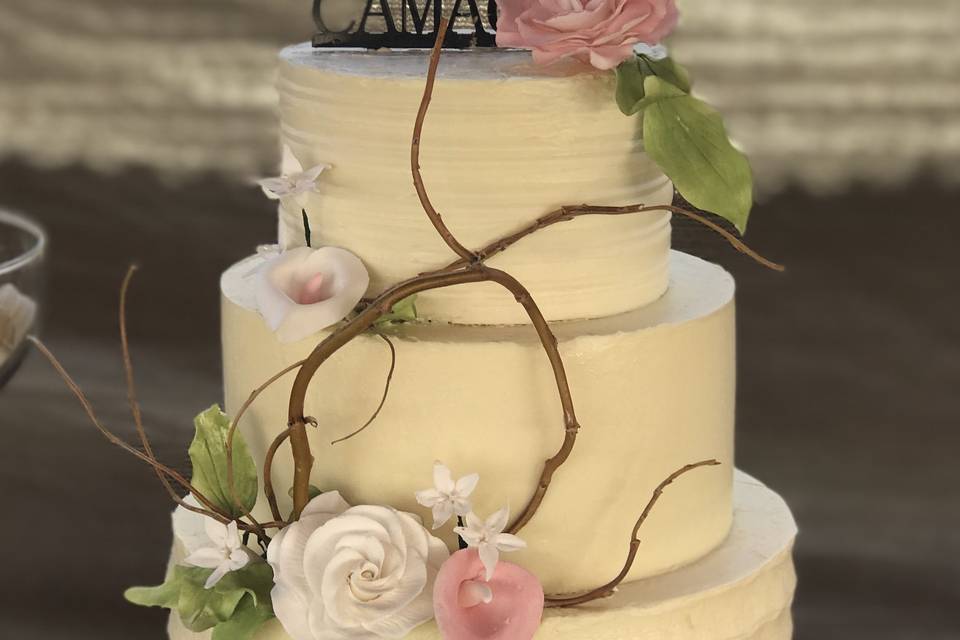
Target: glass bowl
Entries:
(23, 246)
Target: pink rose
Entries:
(599, 32)
(467, 606)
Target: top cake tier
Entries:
(504, 143)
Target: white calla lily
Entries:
(303, 290)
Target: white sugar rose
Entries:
(344, 572)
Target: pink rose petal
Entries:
(599, 32)
(513, 613)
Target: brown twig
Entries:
(211, 509)
(131, 385)
(428, 207)
(468, 268)
(231, 432)
(475, 272)
(609, 588)
(268, 473)
(383, 399)
(571, 426)
(565, 214)
(138, 416)
(302, 457)
(731, 238)
(303, 460)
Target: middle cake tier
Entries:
(653, 389)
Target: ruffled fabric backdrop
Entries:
(818, 91)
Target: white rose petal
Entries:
(353, 573)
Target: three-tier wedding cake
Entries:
(475, 392)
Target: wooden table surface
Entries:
(848, 396)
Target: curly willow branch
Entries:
(468, 268)
(428, 208)
(475, 272)
(609, 588)
(565, 214)
(138, 417)
(275, 512)
(383, 399)
(268, 472)
(131, 385)
(210, 509)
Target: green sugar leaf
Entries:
(631, 75)
(630, 91)
(208, 454)
(688, 140)
(670, 71)
(166, 595)
(201, 608)
(239, 602)
(247, 618)
(403, 311)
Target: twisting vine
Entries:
(610, 588)
(469, 267)
(208, 507)
(383, 399)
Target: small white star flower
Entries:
(448, 498)
(295, 181)
(227, 552)
(488, 538)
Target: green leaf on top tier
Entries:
(689, 142)
(208, 454)
(403, 311)
(670, 71)
(632, 74)
(234, 608)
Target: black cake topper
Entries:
(406, 24)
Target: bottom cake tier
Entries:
(740, 591)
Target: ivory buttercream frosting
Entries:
(654, 387)
(506, 142)
(740, 591)
(425, 430)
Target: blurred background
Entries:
(129, 129)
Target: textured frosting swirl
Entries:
(504, 143)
